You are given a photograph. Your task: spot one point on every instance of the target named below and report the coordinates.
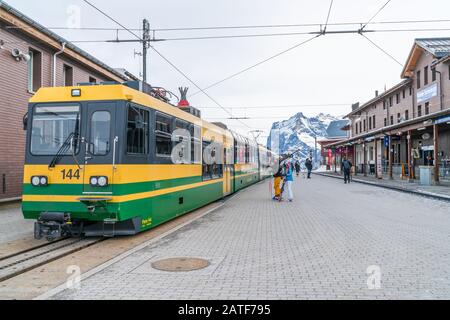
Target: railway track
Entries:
(23, 261)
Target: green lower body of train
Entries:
(132, 213)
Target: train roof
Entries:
(122, 92)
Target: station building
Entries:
(406, 129)
(32, 56)
(337, 131)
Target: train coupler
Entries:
(52, 225)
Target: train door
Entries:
(101, 149)
(227, 173)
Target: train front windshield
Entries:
(52, 126)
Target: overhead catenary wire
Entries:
(164, 58)
(240, 27)
(241, 36)
(257, 64)
(376, 14)
(328, 16)
(382, 50)
(286, 106)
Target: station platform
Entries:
(334, 241)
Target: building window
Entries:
(163, 131)
(92, 80)
(360, 127)
(390, 102)
(373, 122)
(68, 76)
(392, 120)
(385, 122)
(397, 98)
(356, 129)
(418, 79)
(419, 111)
(34, 70)
(425, 76)
(398, 117)
(427, 108)
(433, 74)
(410, 91)
(404, 94)
(137, 131)
(384, 105)
(406, 115)
(370, 123)
(364, 124)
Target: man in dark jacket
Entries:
(297, 167)
(308, 165)
(347, 167)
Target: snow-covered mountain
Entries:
(298, 133)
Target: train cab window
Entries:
(163, 130)
(100, 133)
(137, 131)
(53, 125)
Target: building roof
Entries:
(438, 47)
(380, 97)
(60, 40)
(334, 130)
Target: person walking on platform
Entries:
(308, 165)
(297, 168)
(347, 167)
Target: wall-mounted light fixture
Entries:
(19, 55)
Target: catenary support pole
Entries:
(376, 158)
(390, 153)
(365, 159)
(436, 153)
(145, 43)
(410, 166)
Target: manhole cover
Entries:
(180, 264)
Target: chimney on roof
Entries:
(376, 93)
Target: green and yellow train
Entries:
(113, 159)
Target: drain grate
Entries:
(180, 264)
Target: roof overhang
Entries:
(36, 31)
(411, 62)
(398, 127)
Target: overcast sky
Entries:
(332, 69)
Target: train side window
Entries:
(247, 153)
(163, 130)
(214, 170)
(137, 130)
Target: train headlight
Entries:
(100, 181)
(94, 181)
(39, 181)
(43, 181)
(35, 181)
